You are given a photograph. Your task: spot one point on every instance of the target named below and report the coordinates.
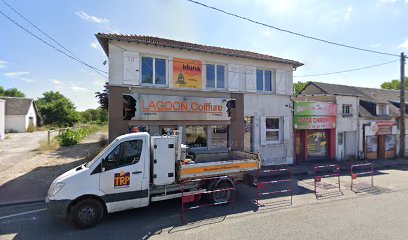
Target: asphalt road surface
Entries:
(373, 213)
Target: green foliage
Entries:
(103, 97)
(73, 136)
(11, 92)
(394, 84)
(98, 116)
(56, 109)
(297, 87)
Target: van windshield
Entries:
(90, 163)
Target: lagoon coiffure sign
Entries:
(314, 115)
(161, 107)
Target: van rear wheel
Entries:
(86, 213)
(221, 196)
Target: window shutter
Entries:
(263, 131)
(286, 129)
(280, 81)
(233, 77)
(131, 71)
(250, 77)
(289, 83)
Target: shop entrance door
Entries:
(300, 145)
(317, 144)
(340, 145)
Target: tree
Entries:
(98, 115)
(103, 97)
(297, 87)
(394, 84)
(11, 92)
(56, 109)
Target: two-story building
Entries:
(366, 119)
(160, 85)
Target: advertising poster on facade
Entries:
(315, 109)
(314, 122)
(187, 73)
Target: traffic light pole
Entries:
(402, 108)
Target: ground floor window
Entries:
(196, 136)
(207, 136)
(317, 143)
(219, 136)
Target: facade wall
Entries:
(16, 123)
(240, 81)
(31, 114)
(2, 119)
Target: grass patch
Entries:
(46, 148)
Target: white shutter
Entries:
(286, 129)
(250, 79)
(289, 82)
(233, 77)
(263, 131)
(131, 71)
(280, 81)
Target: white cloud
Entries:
(27, 80)
(388, 1)
(56, 82)
(375, 45)
(78, 89)
(347, 15)
(3, 64)
(85, 16)
(404, 45)
(16, 74)
(95, 45)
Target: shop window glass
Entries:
(219, 136)
(147, 70)
(389, 142)
(371, 143)
(317, 143)
(272, 129)
(196, 136)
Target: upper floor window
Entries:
(215, 76)
(264, 80)
(346, 110)
(154, 70)
(382, 109)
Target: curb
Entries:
(21, 203)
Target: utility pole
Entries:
(402, 108)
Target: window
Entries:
(382, 109)
(154, 70)
(215, 76)
(346, 110)
(264, 80)
(219, 137)
(124, 154)
(196, 136)
(273, 130)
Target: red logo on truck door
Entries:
(122, 179)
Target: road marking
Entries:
(17, 220)
(23, 213)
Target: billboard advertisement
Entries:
(187, 73)
(315, 109)
(314, 122)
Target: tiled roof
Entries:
(17, 105)
(105, 37)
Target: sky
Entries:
(34, 68)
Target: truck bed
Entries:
(216, 164)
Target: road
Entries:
(376, 213)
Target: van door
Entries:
(121, 178)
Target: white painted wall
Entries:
(237, 69)
(2, 119)
(31, 113)
(16, 123)
(271, 105)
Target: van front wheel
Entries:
(86, 213)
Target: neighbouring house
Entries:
(2, 119)
(217, 97)
(19, 114)
(366, 120)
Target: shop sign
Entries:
(187, 73)
(314, 122)
(315, 109)
(381, 128)
(161, 107)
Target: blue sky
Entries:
(34, 68)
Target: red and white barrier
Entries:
(262, 185)
(326, 171)
(361, 170)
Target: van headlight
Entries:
(56, 188)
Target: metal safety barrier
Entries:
(366, 169)
(326, 171)
(261, 186)
(195, 196)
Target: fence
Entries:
(261, 186)
(326, 171)
(354, 173)
(190, 197)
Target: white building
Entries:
(2, 119)
(161, 84)
(20, 113)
